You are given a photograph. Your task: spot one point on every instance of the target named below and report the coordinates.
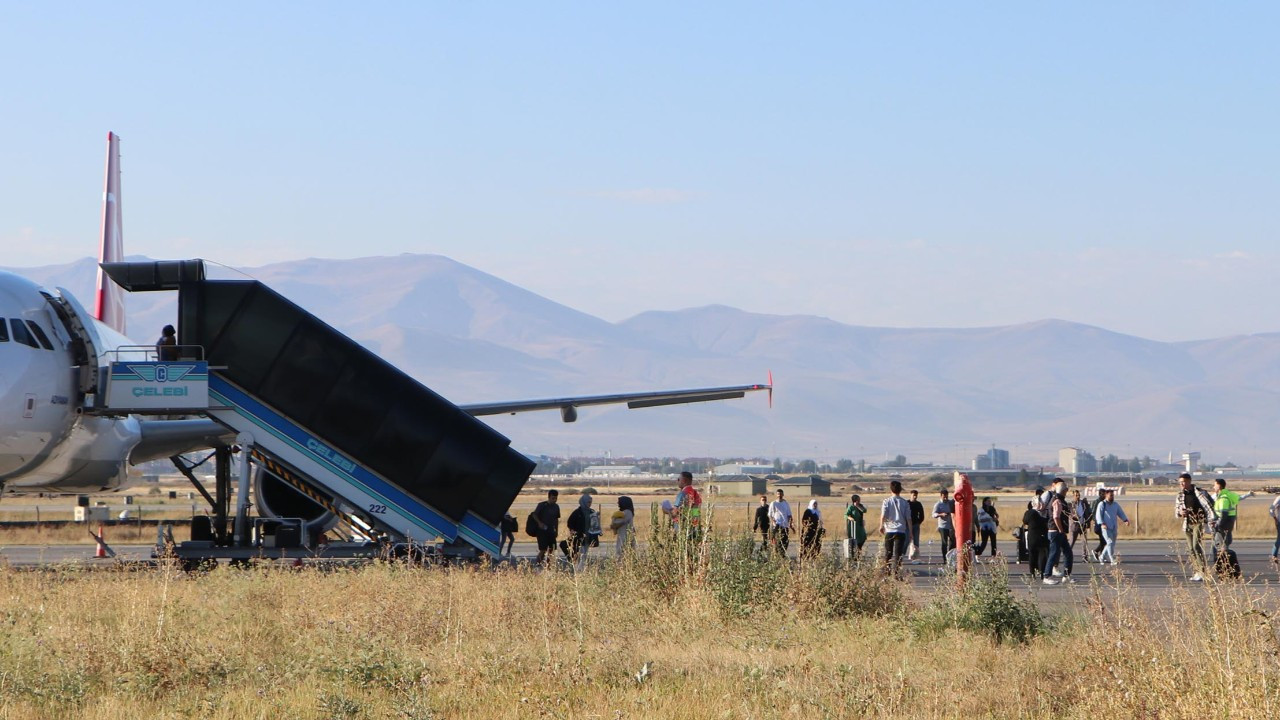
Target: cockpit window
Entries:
(38, 332)
(22, 334)
(4, 331)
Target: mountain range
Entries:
(932, 394)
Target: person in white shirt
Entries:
(895, 525)
(780, 516)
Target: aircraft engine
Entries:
(278, 499)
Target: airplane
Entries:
(51, 349)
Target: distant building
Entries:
(992, 479)
(807, 484)
(1191, 461)
(739, 485)
(605, 471)
(743, 469)
(1073, 461)
(993, 459)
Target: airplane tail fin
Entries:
(109, 306)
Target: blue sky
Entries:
(913, 164)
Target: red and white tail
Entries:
(109, 307)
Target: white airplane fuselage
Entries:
(47, 444)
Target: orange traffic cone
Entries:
(101, 552)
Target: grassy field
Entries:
(677, 631)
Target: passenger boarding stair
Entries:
(382, 451)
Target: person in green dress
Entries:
(855, 527)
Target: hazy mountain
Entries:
(842, 391)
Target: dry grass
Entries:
(723, 635)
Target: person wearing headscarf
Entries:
(623, 524)
(581, 523)
(811, 531)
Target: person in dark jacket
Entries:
(509, 526)
(584, 527)
(547, 517)
(1035, 531)
(917, 519)
(811, 532)
(1081, 521)
(167, 345)
(761, 524)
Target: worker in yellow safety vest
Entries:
(1227, 504)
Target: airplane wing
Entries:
(568, 405)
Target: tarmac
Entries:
(1143, 562)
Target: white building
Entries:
(743, 469)
(605, 471)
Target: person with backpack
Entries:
(508, 528)
(1107, 514)
(1195, 508)
(544, 524)
(584, 531)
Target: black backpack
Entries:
(531, 524)
(509, 524)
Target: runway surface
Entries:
(1151, 568)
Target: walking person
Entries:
(1035, 534)
(780, 517)
(579, 525)
(895, 525)
(1106, 515)
(761, 522)
(1081, 521)
(944, 510)
(1274, 512)
(623, 525)
(811, 532)
(1195, 507)
(547, 517)
(1102, 542)
(917, 520)
(686, 512)
(1059, 527)
(507, 540)
(855, 516)
(1226, 504)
